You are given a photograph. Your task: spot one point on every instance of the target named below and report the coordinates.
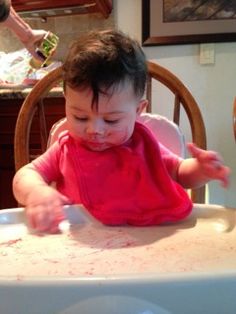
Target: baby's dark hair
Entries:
(4, 9)
(104, 59)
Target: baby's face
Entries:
(111, 125)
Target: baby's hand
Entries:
(44, 208)
(211, 164)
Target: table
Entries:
(187, 267)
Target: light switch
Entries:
(207, 54)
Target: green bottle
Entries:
(45, 50)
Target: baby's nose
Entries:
(95, 127)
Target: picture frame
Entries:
(156, 32)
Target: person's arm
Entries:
(29, 37)
(42, 202)
(203, 167)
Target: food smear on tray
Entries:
(89, 250)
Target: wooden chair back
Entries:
(182, 99)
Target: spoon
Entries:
(77, 214)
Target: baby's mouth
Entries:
(95, 145)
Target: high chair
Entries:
(182, 100)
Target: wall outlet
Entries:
(207, 54)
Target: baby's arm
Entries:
(42, 202)
(203, 167)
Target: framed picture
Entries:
(168, 22)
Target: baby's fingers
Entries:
(194, 150)
(204, 155)
(224, 176)
(46, 218)
(38, 219)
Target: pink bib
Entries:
(128, 184)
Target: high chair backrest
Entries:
(182, 98)
(166, 132)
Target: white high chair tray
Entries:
(186, 267)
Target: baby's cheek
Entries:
(122, 135)
(76, 132)
(129, 131)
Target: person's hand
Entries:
(30, 38)
(34, 41)
(44, 208)
(211, 164)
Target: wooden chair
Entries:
(182, 98)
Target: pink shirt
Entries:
(127, 184)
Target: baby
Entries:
(106, 160)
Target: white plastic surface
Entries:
(188, 267)
(166, 132)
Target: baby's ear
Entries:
(141, 106)
(64, 89)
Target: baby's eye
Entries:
(111, 121)
(82, 119)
